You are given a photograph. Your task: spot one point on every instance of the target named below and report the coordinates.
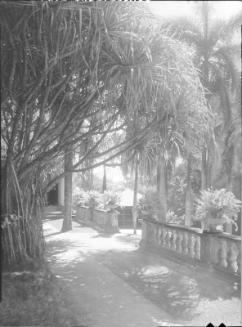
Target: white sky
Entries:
(222, 9)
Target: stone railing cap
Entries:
(194, 229)
(175, 226)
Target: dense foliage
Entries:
(73, 74)
(93, 199)
(219, 206)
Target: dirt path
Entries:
(112, 283)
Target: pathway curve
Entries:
(112, 283)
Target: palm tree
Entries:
(135, 196)
(131, 161)
(214, 57)
(67, 222)
(111, 44)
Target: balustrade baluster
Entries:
(197, 247)
(185, 244)
(170, 239)
(188, 244)
(163, 237)
(159, 231)
(239, 261)
(156, 235)
(191, 242)
(232, 258)
(222, 254)
(167, 238)
(177, 241)
(174, 240)
(181, 236)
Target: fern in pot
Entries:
(111, 201)
(215, 208)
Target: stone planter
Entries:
(212, 231)
(111, 225)
(107, 221)
(211, 224)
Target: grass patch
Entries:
(34, 298)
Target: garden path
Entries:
(113, 283)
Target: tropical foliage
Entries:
(217, 206)
(94, 199)
(74, 74)
(215, 54)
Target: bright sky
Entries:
(222, 9)
(113, 173)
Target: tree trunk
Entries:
(5, 191)
(228, 227)
(204, 169)
(230, 169)
(22, 239)
(67, 222)
(135, 209)
(161, 188)
(188, 199)
(210, 162)
(90, 179)
(104, 178)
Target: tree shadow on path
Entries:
(183, 291)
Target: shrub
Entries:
(110, 200)
(172, 218)
(94, 199)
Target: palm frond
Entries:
(225, 55)
(182, 25)
(233, 24)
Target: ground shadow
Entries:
(177, 288)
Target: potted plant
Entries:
(172, 218)
(215, 208)
(110, 201)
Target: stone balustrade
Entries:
(220, 250)
(106, 220)
(225, 252)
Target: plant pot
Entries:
(213, 231)
(211, 225)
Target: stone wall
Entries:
(106, 220)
